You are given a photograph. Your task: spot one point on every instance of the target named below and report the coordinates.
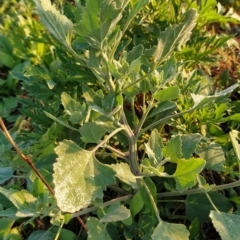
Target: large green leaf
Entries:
(198, 205)
(79, 177)
(226, 224)
(170, 231)
(214, 156)
(97, 230)
(98, 20)
(186, 172)
(57, 24)
(115, 212)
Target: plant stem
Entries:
(133, 159)
(159, 195)
(138, 80)
(109, 76)
(143, 119)
(26, 159)
(107, 138)
(108, 203)
(163, 120)
(118, 152)
(152, 201)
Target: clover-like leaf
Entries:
(186, 172)
(79, 177)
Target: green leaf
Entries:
(41, 234)
(5, 174)
(194, 228)
(22, 200)
(167, 94)
(198, 205)
(189, 144)
(6, 225)
(79, 178)
(136, 7)
(56, 23)
(98, 20)
(163, 106)
(201, 100)
(226, 224)
(97, 230)
(170, 231)
(154, 149)
(124, 174)
(173, 149)
(186, 172)
(149, 193)
(74, 109)
(136, 204)
(174, 38)
(236, 145)
(92, 97)
(214, 156)
(115, 212)
(6, 59)
(92, 132)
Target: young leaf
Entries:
(226, 224)
(186, 172)
(136, 204)
(153, 148)
(124, 174)
(115, 212)
(167, 94)
(170, 231)
(214, 156)
(162, 107)
(189, 144)
(79, 177)
(92, 132)
(99, 18)
(75, 110)
(174, 38)
(173, 149)
(57, 24)
(200, 100)
(97, 230)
